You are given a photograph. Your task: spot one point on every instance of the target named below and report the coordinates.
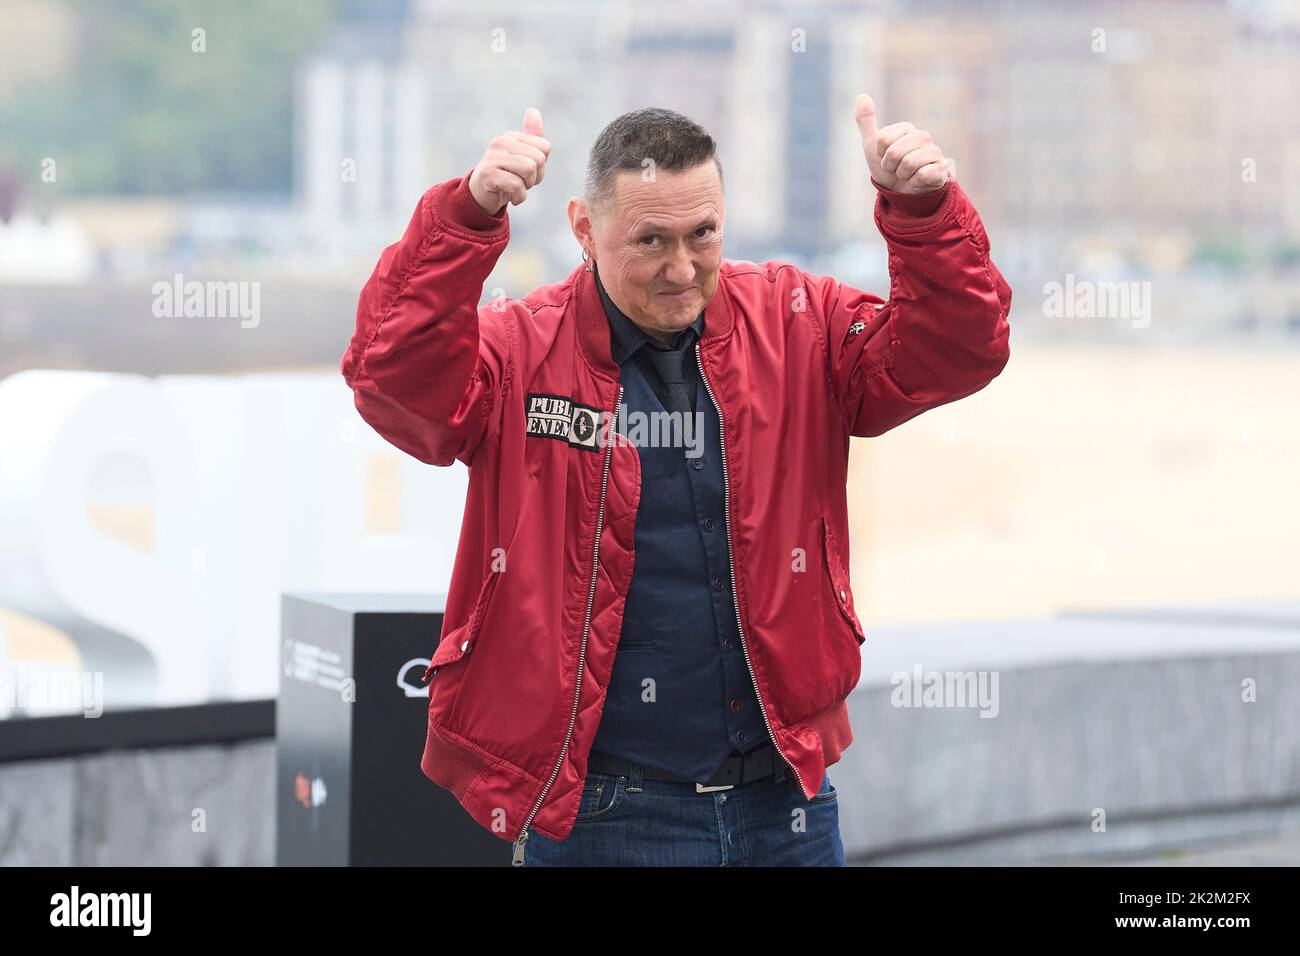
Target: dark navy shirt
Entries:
(680, 697)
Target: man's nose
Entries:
(680, 270)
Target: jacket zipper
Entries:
(731, 560)
(518, 858)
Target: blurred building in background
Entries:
(362, 140)
(1114, 141)
(764, 78)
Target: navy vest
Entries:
(680, 697)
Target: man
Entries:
(647, 648)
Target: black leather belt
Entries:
(738, 768)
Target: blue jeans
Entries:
(628, 820)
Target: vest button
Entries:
(708, 524)
(697, 463)
(735, 705)
(717, 584)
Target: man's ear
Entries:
(580, 223)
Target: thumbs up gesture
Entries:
(901, 157)
(514, 163)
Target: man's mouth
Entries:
(679, 295)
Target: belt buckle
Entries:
(701, 788)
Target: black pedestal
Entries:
(350, 730)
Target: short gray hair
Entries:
(667, 138)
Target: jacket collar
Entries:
(594, 334)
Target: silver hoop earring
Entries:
(585, 257)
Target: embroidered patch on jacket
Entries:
(554, 416)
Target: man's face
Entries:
(659, 246)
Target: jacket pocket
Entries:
(459, 641)
(839, 577)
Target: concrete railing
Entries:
(1108, 734)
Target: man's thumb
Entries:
(865, 113)
(533, 121)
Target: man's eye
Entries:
(703, 231)
(647, 240)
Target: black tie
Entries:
(668, 363)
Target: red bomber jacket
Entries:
(795, 364)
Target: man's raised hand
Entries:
(514, 163)
(901, 157)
